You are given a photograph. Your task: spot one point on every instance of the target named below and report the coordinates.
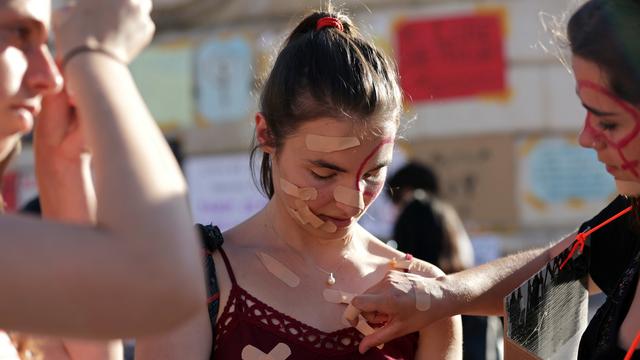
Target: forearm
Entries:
(481, 290)
(96, 350)
(66, 189)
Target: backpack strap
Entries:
(212, 240)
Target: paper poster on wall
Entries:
(452, 57)
(221, 190)
(164, 76)
(559, 182)
(225, 79)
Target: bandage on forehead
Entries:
(279, 352)
(348, 197)
(329, 144)
(278, 270)
(306, 193)
(337, 296)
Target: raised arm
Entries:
(138, 271)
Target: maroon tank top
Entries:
(248, 321)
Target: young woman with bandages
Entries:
(329, 113)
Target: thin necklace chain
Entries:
(331, 280)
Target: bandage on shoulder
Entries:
(278, 270)
(279, 352)
(348, 196)
(337, 296)
(307, 193)
(330, 143)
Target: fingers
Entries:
(370, 303)
(380, 336)
(375, 317)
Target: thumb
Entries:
(369, 303)
(379, 336)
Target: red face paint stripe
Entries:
(366, 160)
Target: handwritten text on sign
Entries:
(452, 57)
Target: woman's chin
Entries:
(628, 187)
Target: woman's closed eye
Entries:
(322, 175)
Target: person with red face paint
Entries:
(603, 35)
(282, 281)
(106, 267)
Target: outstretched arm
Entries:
(477, 291)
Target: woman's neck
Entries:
(291, 236)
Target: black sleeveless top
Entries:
(614, 255)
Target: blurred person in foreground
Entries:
(110, 257)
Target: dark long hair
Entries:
(325, 73)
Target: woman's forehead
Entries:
(331, 127)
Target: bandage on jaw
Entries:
(278, 270)
(279, 352)
(308, 216)
(307, 193)
(330, 143)
(348, 197)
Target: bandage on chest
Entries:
(279, 352)
(337, 296)
(279, 270)
(330, 143)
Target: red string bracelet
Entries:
(582, 237)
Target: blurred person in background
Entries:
(430, 229)
(603, 37)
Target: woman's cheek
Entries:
(372, 191)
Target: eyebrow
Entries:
(380, 165)
(598, 112)
(328, 165)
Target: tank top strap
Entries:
(227, 265)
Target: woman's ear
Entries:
(263, 135)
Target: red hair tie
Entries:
(329, 21)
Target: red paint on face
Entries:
(600, 135)
(366, 160)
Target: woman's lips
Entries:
(339, 222)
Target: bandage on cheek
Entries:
(307, 215)
(306, 193)
(279, 352)
(329, 144)
(348, 197)
(278, 270)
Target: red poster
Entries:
(453, 57)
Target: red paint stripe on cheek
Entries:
(366, 160)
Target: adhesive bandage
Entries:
(307, 193)
(330, 143)
(279, 352)
(329, 227)
(350, 314)
(308, 216)
(365, 329)
(423, 300)
(278, 270)
(337, 296)
(348, 197)
(296, 215)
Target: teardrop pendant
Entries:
(331, 280)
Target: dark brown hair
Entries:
(325, 73)
(606, 32)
